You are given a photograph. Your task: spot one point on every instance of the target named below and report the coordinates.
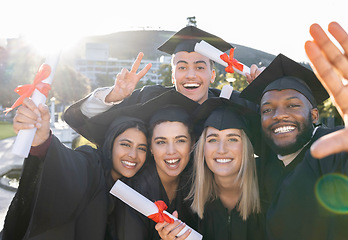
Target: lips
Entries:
(223, 160)
(172, 162)
(191, 85)
(128, 164)
(284, 129)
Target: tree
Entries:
(165, 73)
(69, 85)
(191, 21)
(19, 64)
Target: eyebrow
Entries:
(176, 137)
(201, 61)
(129, 141)
(197, 62)
(289, 98)
(228, 135)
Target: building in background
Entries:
(97, 62)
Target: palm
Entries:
(331, 67)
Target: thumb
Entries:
(330, 144)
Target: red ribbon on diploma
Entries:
(25, 91)
(160, 216)
(231, 62)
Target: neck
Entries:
(229, 191)
(287, 159)
(115, 175)
(170, 184)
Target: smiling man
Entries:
(192, 73)
(302, 196)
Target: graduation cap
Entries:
(99, 126)
(186, 39)
(284, 73)
(222, 113)
(169, 106)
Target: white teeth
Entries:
(131, 164)
(191, 85)
(223, 160)
(284, 129)
(172, 161)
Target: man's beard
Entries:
(305, 134)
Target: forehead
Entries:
(274, 96)
(212, 130)
(189, 57)
(169, 128)
(131, 134)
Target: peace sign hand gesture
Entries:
(126, 81)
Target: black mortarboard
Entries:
(284, 73)
(169, 106)
(221, 113)
(186, 39)
(100, 125)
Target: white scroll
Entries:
(214, 54)
(22, 145)
(144, 205)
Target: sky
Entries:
(273, 26)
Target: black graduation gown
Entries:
(69, 200)
(217, 223)
(77, 121)
(131, 224)
(295, 212)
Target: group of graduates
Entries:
(245, 166)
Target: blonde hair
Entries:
(205, 189)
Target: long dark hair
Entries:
(118, 127)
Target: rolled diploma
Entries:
(214, 54)
(144, 205)
(25, 137)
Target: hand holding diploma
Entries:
(39, 90)
(146, 207)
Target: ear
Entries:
(315, 115)
(173, 79)
(213, 76)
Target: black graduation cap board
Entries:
(186, 39)
(169, 106)
(284, 73)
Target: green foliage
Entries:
(6, 130)
(103, 80)
(80, 141)
(69, 85)
(221, 79)
(19, 64)
(328, 110)
(165, 73)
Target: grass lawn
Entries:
(6, 130)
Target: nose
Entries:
(191, 73)
(171, 148)
(221, 147)
(280, 113)
(132, 153)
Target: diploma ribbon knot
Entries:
(231, 62)
(161, 216)
(26, 91)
